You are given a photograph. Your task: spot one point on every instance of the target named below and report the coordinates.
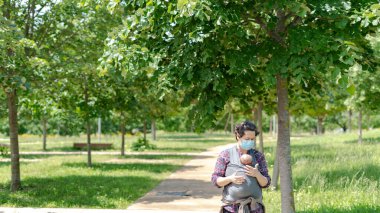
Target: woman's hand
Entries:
(237, 179)
(252, 171)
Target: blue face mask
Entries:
(247, 144)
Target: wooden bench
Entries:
(94, 146)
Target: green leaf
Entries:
(351, 89)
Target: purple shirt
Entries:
(221, 165)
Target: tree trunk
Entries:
(88, 130)
(13, 135)
(144, 130)
(122, 127)
(154, 136)
(349, 120)
(99, 130)
(232, 123)
(226, 125)
(260, 125)
(360, 141)
(271, 125)
(319, 125)
(275, 127)
(255, 115)
(276, 171)
(283, 147)
(44, 133)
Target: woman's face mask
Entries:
(247, 144)
(247, 141)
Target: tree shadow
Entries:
(174, 189)
(180, 149)
(181, 136)
(63, 149)
(157, 156)
(151, 167)
(35, 156)
(78, 191)
(311, 152)
(352, 209)
(370, 172)
(3, 164)
(366, 141)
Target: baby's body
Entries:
(250, 185)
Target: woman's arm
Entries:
(260, 171)
(218, 176)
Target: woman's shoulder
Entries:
(257, 153)
(226, 151)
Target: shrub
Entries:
(142, 144)
(4, 150)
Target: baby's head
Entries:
(246, 159)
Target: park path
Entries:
(188, 189)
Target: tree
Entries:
(206, 47)
(18, 23)
(74, 49)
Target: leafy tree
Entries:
(18, 22)
(74, 49)
(209, 47)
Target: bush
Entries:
(4, 150)
(142, 144)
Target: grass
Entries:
(331, 173)
(112, 182)
(166, 142)
(66, 181)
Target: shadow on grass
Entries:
(351, 176)
(180, 149)
(8, 163)
(368, 171)
(151, 167)
(78, 191)
(181, 136)
(4, 163)
(35, 156)
(157, 157)
(63, 149)
(353, 209)
(312, 152)
(366, 141)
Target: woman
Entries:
(242, 184)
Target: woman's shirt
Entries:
(224, 159)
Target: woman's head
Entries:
(245, 134)
(241, 129)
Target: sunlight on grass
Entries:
(331, 173)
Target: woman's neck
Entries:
(243, 151)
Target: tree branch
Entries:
(273, 34)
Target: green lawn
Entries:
(112, 182)
(166, 142)
(331, 173)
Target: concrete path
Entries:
(189, 189)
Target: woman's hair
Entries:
(245, 126)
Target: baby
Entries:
(248, 187)
(246, 159)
